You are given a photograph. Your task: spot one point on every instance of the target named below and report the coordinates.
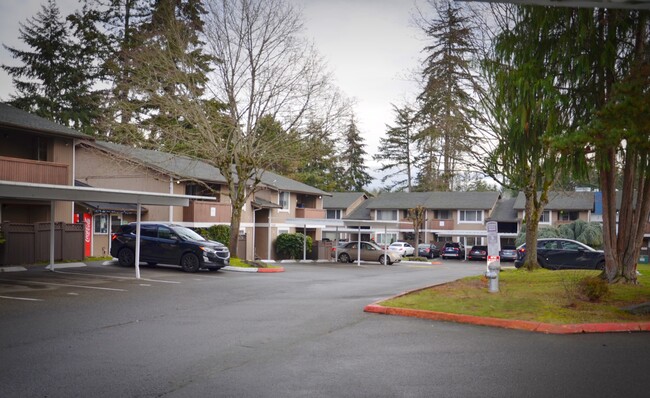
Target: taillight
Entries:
(113, 236)
(522, 250)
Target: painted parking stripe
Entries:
(20, 298)
(115, 277)
(66, 285)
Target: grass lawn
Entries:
(542, 296)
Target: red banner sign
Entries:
(87, 231)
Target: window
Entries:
(164, 233)
(116, 222)
(546, 217)
(387, 215)
(284, 201)
(150, 231)
(101, 223)
(386, 239)
(470, 216)
(441, 215)
(567, 216)
(334, 214)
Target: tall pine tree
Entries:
(446, 102)
(55, 79)
(396, 151)
(355, 177)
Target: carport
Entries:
(67, 193)
(345, 225)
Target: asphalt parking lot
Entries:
(97, 331)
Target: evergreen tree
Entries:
(396, 150)
(317, 159)
(55, 79)
(446, 102)
(355, 176)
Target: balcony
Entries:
(444, 225)
(310, 213)
(33, 171)
(207, 211)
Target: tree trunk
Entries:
(608, 188)
(532, 228)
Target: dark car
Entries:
(428, 250)
(508, 253)
(169, 244)
(563, 254)
(453, 250)
(478, 253)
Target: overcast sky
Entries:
(371, 46)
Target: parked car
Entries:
(428, 250)
(556, 253)
(478, 253)
(168, 244)
(453, 250)
(403, 248)
(369, 252)
(508, 253)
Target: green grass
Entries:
(237, 262)
(543, 296)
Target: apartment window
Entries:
(334, 214)
(387, 215)
(101, 223)
(546, 217)
(470, 216)
(284, 201)
(568, 216)
(386, 238)
(442, 215)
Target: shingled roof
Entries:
(504, 211)
(22, 120)
(436, 200)
(341, 200)
(561, 200)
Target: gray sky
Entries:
(371, 47)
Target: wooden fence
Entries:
(30, 243)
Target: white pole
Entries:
(385, 245)
(359, 245)
(137, 243)
(51, 266)
(336, 247)
(304, 243)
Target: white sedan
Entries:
(403, 248)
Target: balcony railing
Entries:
(441, 224)
(207, 211)
(310, 213)
(34, 171)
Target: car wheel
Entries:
(541, 263)
(600, 266)
(190, 262)
(381, 260)
(344, 258)
(126, 258)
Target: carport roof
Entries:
(23, 190)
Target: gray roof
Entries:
(265, 204)
(176, 165)
(17, 118)
(107, 207)
(341, 200)
(362, 212)
(504, 211)
(281, 183)
(188, 168)
(560, 200)
(436, 200)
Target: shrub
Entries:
(219, 233)
(291, 245)
(594, 288)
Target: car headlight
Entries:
(208, 249)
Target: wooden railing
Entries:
(310, 213)
(207, 211)
(34, 171)
(441, 224)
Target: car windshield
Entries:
(188, 234)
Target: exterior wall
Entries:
(102, 171)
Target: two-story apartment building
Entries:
(264, 215)
(448, 216)
(338, 206)
(563, 207)
(35, 150)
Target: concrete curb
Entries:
(531, 326)
(253, 270)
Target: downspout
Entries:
(171, 192)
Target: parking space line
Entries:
(66, 285)
(115, 277)
(20, 298)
